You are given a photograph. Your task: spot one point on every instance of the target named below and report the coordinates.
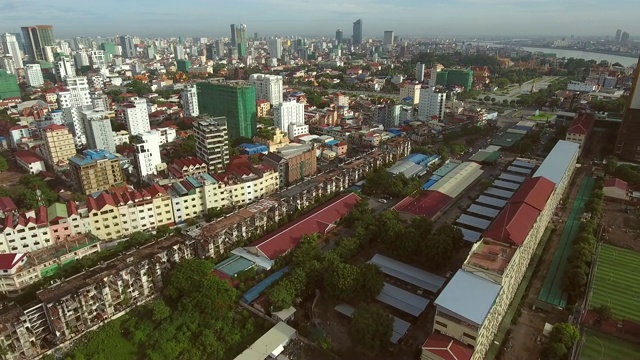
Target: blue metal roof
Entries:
(470, 235)
(408, 273)
(468, 297)
(474, 222)
(91, 156)
(332, 142)
(556, 164)
(498, 203)
(402, 300)
(429, 184)
(255, 291)
(234, 265)
(499, 193)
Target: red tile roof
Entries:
(581, 125)
(615, 182)
(100, 201)
(7, 205)
(534, 192)
(319, 221)
(9, 261)
(28, 156)
(447, 348)
(55, 127)
(513, 223)
(429, 204)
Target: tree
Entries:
(371, 328)
(493, 100)
(575, 280)
(162, 231)
(371, 281)
(282, 295)
(442, 244)
(306, 251)
(341, 282)
(160, 310)
(604, 312)
(564, 333)
(487, 98)
(139, 88)
(4, 166)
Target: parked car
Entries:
(382, 201)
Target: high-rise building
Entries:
(618, 35)
(210, 51)
(289, 112)
(7, 64)
(64, 67)
(147, 146)
(183, 65)
(33, 73)
(150, 52)
(9, 87)
(98, 59)
(81, 59)
(268, 87)
(58, 145)
(212, 142)
(189, 100)
(178, 52)
(109, 50)
(628, 143)
(136, 116)
(357, 32)
(219, 48)
(241, 40)
(455, 77)
(275, 48)
(410, 90)
(95, 170)
(624, 38)
(99, 101)
(235, 100)
(36, 38)
(388, 38)
(432, 104)
(77, 93)
(11, 48)
(420, 72)
(339, 37)
(97, 125)
(128, 47)
(234, 41)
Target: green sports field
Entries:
(598, 346)
(616, 282)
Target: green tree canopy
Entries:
(371, 328)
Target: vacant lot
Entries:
(621, 225)
(598, 346)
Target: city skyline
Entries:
(472, 17)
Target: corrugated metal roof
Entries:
(523, 164)
(470, 235)
(519, 170)
(468, 296)
(483, 210)
(474, 222)
(506, 185)
(556, 164)
(534, 192)
(455, 182)
(498, 203)
(402, 300)
(270, 343)
(513, 224)
(253, 293)
(499, 193)
(234, 265)
(400, 326)
(512, 178)
(408, 273)
(445, 169)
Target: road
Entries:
(514, 91)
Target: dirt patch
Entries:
(621, 225)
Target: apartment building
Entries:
(301, 162)
(58, 145)
(262, 108)
(212, 141)
(412, 91)
(96, 170)
(189, 100)
(136, 116)
(25, 231)
(187, 167)
(98, 132)
(33, 73)
(66, 222)
(147, 153)
(268, 87)
(288, 112)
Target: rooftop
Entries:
(28, 156)
(513, 224)
(468, 296)
(556, 164)
(617, 183)
(91, 156)
(447, 348)
(428, 204)
(581, 124)
(270, 344)
(491, 256)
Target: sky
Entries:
(423, 18)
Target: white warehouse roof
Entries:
(556, 164)
(455, 182)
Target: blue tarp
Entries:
(429, 184)
(253, 293)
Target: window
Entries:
(469, 336)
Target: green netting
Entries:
(552, 291)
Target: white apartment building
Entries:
(73, 120)
(431, 104)
(268, 87)
(189, 100)
(17, 133)
(98, 59)
(11, 48)
(167, 134)
(296, 130)
(178, 52)
(136, 116)
(77, 93)
(147, 152)
(6, 63)
(64, 67)
(212, 142)
(410, 90)
(81, 59)
(33, 73)
(99, 101)
(581, 86)
(98, 130)
(289, 112)
(120, 137)
(25, 232)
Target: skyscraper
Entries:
(235, 100)
(339, 36)
(234, 41)
(128, 47)
(268, 87)
(419, 72)
(275, 48)
(189, 100)
(624, 38)
(241, 40)
(109, 50)
(136, 116)
(628, 143)
(357, 32)
(178, 52)
(36, 38)
(33, 73)
(618, 34)
(212, 141)
(11, 48)
(388, 38)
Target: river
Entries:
(624, 60)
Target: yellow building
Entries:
(59, 145)
(278, 140)
(104, 218)
(96, 170)
(262, 108)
